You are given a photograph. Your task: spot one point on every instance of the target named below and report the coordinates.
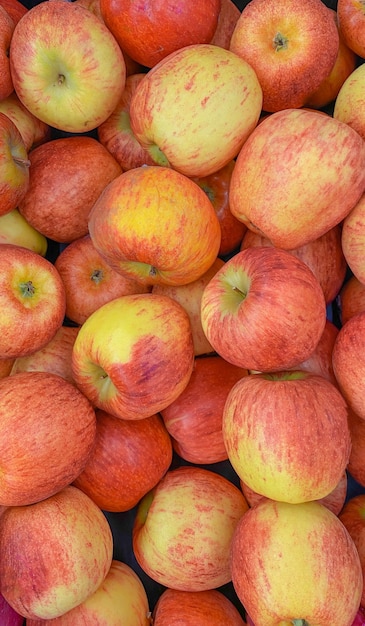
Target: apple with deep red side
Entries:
(15, 9)
(14, 165)
(206, 608)
(32, 130)
(353, 518)
(7, 26)
(351, 298)
(351, 21)
(227, 20)
(320, 361)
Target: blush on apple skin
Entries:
(206, 608)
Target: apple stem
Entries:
(237, 290)
(21, 162)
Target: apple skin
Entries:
(320, 361)
(89, 281)
(183, 529)
(14, 165)
(292, 45)
(227, 20)
(355, 465)
(33, 296)
(59, 413)
(221, 96)
(15, 229)
(263, 310)
(304, 549)
(65, 561)
(63, 165)
(351, 21)
(194, 419)
(14, 8)
(155, 225)
(134, 355)
(32, 130)
(302, 151)
(304, 455)
(7, 26)
(349, 103)
(66, 66)
(120, 599)
(353, 240)
(351, 298)
(150, 32)
(352, 516)
(119, 472)
(206, 608)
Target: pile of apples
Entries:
(182, 328)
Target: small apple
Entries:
(353, 518)
(351, 298)
(7, 26)
(32, 130)
(227, 20)
(351, 21)
(353, 239)
(206, 608)
(15, 229)
(14, 165)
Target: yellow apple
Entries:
(15, 229)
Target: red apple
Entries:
(194, 419)
(14, 165)
(128, 459)
(351, 298)
(54, 553)
(14, 8)
(351, 21)
(353, 239)
(356, 461)
(7, 26)
(183, 529)
(349, 103)
(151, 31)
(76, 169)
(8, 616)
(32, 130)
(227, 20)
(264, 310)
(353, 518)
(206, 608)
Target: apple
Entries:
(55, 357)
(189, 296)
(292, 46)
(216, 186)
(66, 66)
(286, 434)
(183, 529)
(263, 310)
(349, 364)
(206, 608)
(15, 229)
(353, 518)
(195, 109)
(355, 465)
(295, 564)
(150, 31)
(227, 20)
(116, 133)
(360, 618)
(8, 616)
(349, 103)
(286, 184)
(120, 599)
(35, 462)
(64, 165)
(351, 298)
(54, 553)
(155, 225)
(33, 296)
(14, 8)
(7, 26)
(134, 355)
(32, 130)
(353, 239)
(194, 419)
(351, 21)
(128, 459)
(14, 165)
(89, 281)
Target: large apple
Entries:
(134, 355)
(263, 310)
(351, 21)
(7, 26)
(15, 229)
(54, 553)
(32, 298)
(66, 66)
(286, 183)
(286, 434)
(196, 108)
(206, 608)
(150, 31)
(183, 529)
(351, 298)
(292, 46)
(128, 459)
(14, 165)
(353, 239)
(32, 130)
(353, 518)
(295, 564)
(155, 225)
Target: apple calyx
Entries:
(158, 156)
(27, 289)
(97, 276)
(300, 622)
(280, 42)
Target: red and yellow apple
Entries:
(32, 130)
(206, 608)
(14, 165)
(353, 518)
(351, 21)
(15, 229)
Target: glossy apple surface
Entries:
(227, 20)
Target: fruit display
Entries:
(182, 297)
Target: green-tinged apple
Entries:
(14, 165)
(264, 310)
(76, 169)
(7, 26)
(32, 301)
(183, 529)
(206, 608)
(323, 255)
(150, 31)
(348, 360)
(216, 186)
(196, 108)
(116, 133)
(295, 564)
(351, 21)
(55, 357)
(121, 600)
(189, 296)
(119, 472)
(355, 465)
(66, 66)
(227, 20)
(350, 101)
(353, 239)
(320, 361)
(155, 225)
(353, 518)
(134, 355)
(194, 419)
(15, 8)
(89, 281)
(286, 183)
(287, 435)
(32, 130)
(54, 553)
(35, 463)
(351, 298)
(15, 229)
(291, 44)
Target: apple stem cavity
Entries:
(21, 162)
(27, 289)
(158, 156)
(280, 42)
(300, 622)
(240, 292)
